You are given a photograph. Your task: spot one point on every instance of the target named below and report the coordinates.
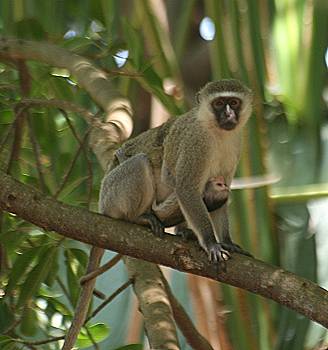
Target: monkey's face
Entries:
(226, 110)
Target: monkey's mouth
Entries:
(227, 120)
(227, 124)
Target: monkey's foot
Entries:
(217, 253)
(235, 248)
(155, 224)
(186, 233)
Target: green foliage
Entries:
(76, 261)
(6, 318)
(7, 342)
(94, 333)
(37, 275)
(277, 47)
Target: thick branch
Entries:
(89, 77)
(92, 79)
(253, 275)
(193, 337)
(153, 303)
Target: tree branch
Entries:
(154, 304)
(92, 79)
(253, 275)
(86, 295)
(193, 337)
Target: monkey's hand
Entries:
(186, 233)
(155, 224)
(217, 253)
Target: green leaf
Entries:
(30, 28)
(153, 83)
(11, 346)
(6, 316)
(81, 256)
(53, 270)
(11, 239)
(36, 276)
(59, 306)
(98, 331)
(76, 43)
(131, 347)
(22, 263)
(46, 292)
(72, 276)
(6, 116)
(29, 324)
(134, 43)
(5, 340)
(71, 187)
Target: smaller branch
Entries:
(40, 342)
(8, 87)
(109, 299)
(63, 106)
(22, 115)
(71, 166)
(109, 264)
(36, 151)
(17, 127)
(85, 152)
(84, 301)
(126, 73)
(193, 337)
(6, 137)
(70, 125)
(89, 117)
(91, 78)
(12, 326)
(63, 288)
(90, 176)
(24, 77)
(99, 294)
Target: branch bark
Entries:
(253, 275)
(193, 337)
(153, 304)
(80, 313)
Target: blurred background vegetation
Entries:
(159, 53)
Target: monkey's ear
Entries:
(197, 97)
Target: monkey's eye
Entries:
(218, 103)
(234, 102)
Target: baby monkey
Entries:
(144, 210)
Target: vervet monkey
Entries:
(165, 214)
(172, 166)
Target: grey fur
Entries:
(167, 170)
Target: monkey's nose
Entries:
(222, 185)
(230, 113)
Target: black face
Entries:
(226, 110)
